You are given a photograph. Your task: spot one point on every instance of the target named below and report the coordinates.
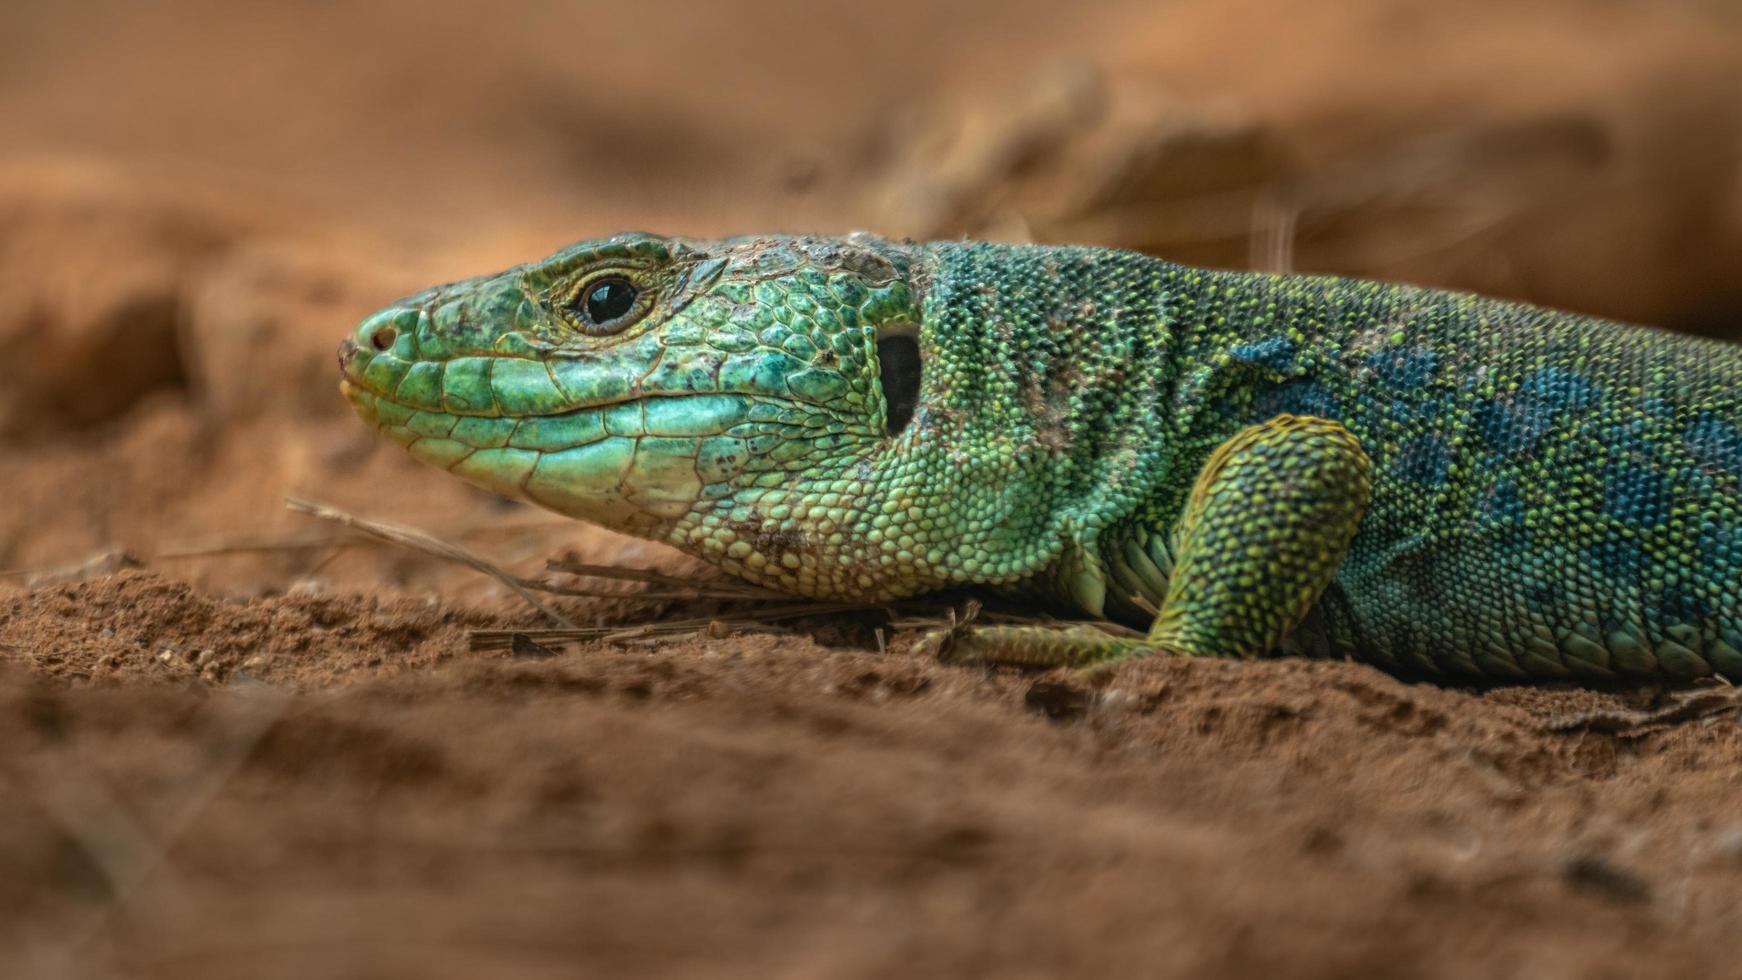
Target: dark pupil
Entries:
(609, 300)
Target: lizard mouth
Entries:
(696, 415)
(479, 398)
(636, 464)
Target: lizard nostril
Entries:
(383, 338)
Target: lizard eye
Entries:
(606, 305)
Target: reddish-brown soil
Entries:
(256, 746)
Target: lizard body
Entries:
(1422, 479)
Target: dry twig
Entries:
(430, 545)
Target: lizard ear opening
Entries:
(898, 372)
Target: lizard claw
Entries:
(945, 644)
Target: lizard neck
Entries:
(1043, 411)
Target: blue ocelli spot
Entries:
(1296, 396)
(1511, 427)
(1271, 353)
(1404, 367)
(1502, 503)
(1620, 559)
(1627, 440)
(1561, 388)
(1715, 442)
(1424, 459)
(1636, 495)
(1720, 549)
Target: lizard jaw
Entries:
(637, 466)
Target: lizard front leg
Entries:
(1267, 523)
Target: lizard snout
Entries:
(388, 332)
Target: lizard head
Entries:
(747, 400)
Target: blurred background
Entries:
(198, 198)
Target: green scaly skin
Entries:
(1424, 480)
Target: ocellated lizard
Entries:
(1422, 479)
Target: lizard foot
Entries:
(1092, 650)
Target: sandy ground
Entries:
(236, 742)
